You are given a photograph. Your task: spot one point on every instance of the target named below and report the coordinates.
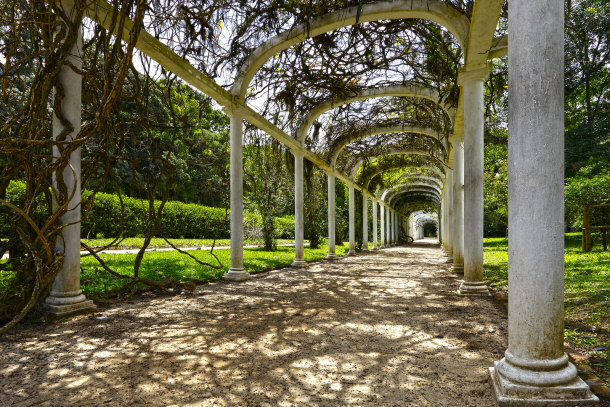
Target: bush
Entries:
(102, 217)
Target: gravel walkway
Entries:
(379, 329)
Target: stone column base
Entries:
(513, 394)
(351, 253)
(332, 256)
(237, 275)
(60, 307)
(457, 268)
(299, 263)
(469, 288)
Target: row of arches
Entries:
(438, 167)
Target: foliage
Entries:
(102, 217)
(590, 186)
(265, 176)
(495, 190)
(314, 206)
(587, 295)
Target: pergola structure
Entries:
(439, 162)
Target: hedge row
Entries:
(178, 220)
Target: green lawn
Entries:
(587, 295)
(136, 242)
(170, 264)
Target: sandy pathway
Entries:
(380, 329)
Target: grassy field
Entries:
(587, 295)
(170, 264)
(136, 242)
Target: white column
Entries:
(458, 207)
(450, 212)
(375, 241)
(331, 217)
(395, 227)
(382, 222)
(299, 217)
(535, 369)
(473, 283)
(236, 271)
(66, 297)
(352, 222)
(441, 222)
(388, 228)
(365, 222)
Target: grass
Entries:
(95, 281)
(587, 295)
(156, 242)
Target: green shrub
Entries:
(102, 217)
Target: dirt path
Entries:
(380, 329)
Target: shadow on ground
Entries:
(385, 328)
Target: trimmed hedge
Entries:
(178, 220)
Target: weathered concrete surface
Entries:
(535, 370)
(299, 215)
(331, 217)
(236, 271)
(382, 329)
(66, 297)
(458, 207)
(473, 185)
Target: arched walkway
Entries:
(384, 328)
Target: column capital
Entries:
(297, 152)
(234, 110)
(471, 75)
(456, 137)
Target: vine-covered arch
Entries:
(432, 10)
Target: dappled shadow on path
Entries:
(384, 328)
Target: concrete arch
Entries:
(423, 92)
(412, 207)
(390, 194)
(437, 181)
(340, 145)
(395, 191)
(433, 10)
(416, 192)
(379, 171)
(394, 152)
(392, 191)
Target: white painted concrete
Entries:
(236, 271)
(66, 296)
(473, 283)
(458, 207)
(365, 222)
(352, 222)
(375, 234)
(299, 217)
(331, 217)
(535, 370)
